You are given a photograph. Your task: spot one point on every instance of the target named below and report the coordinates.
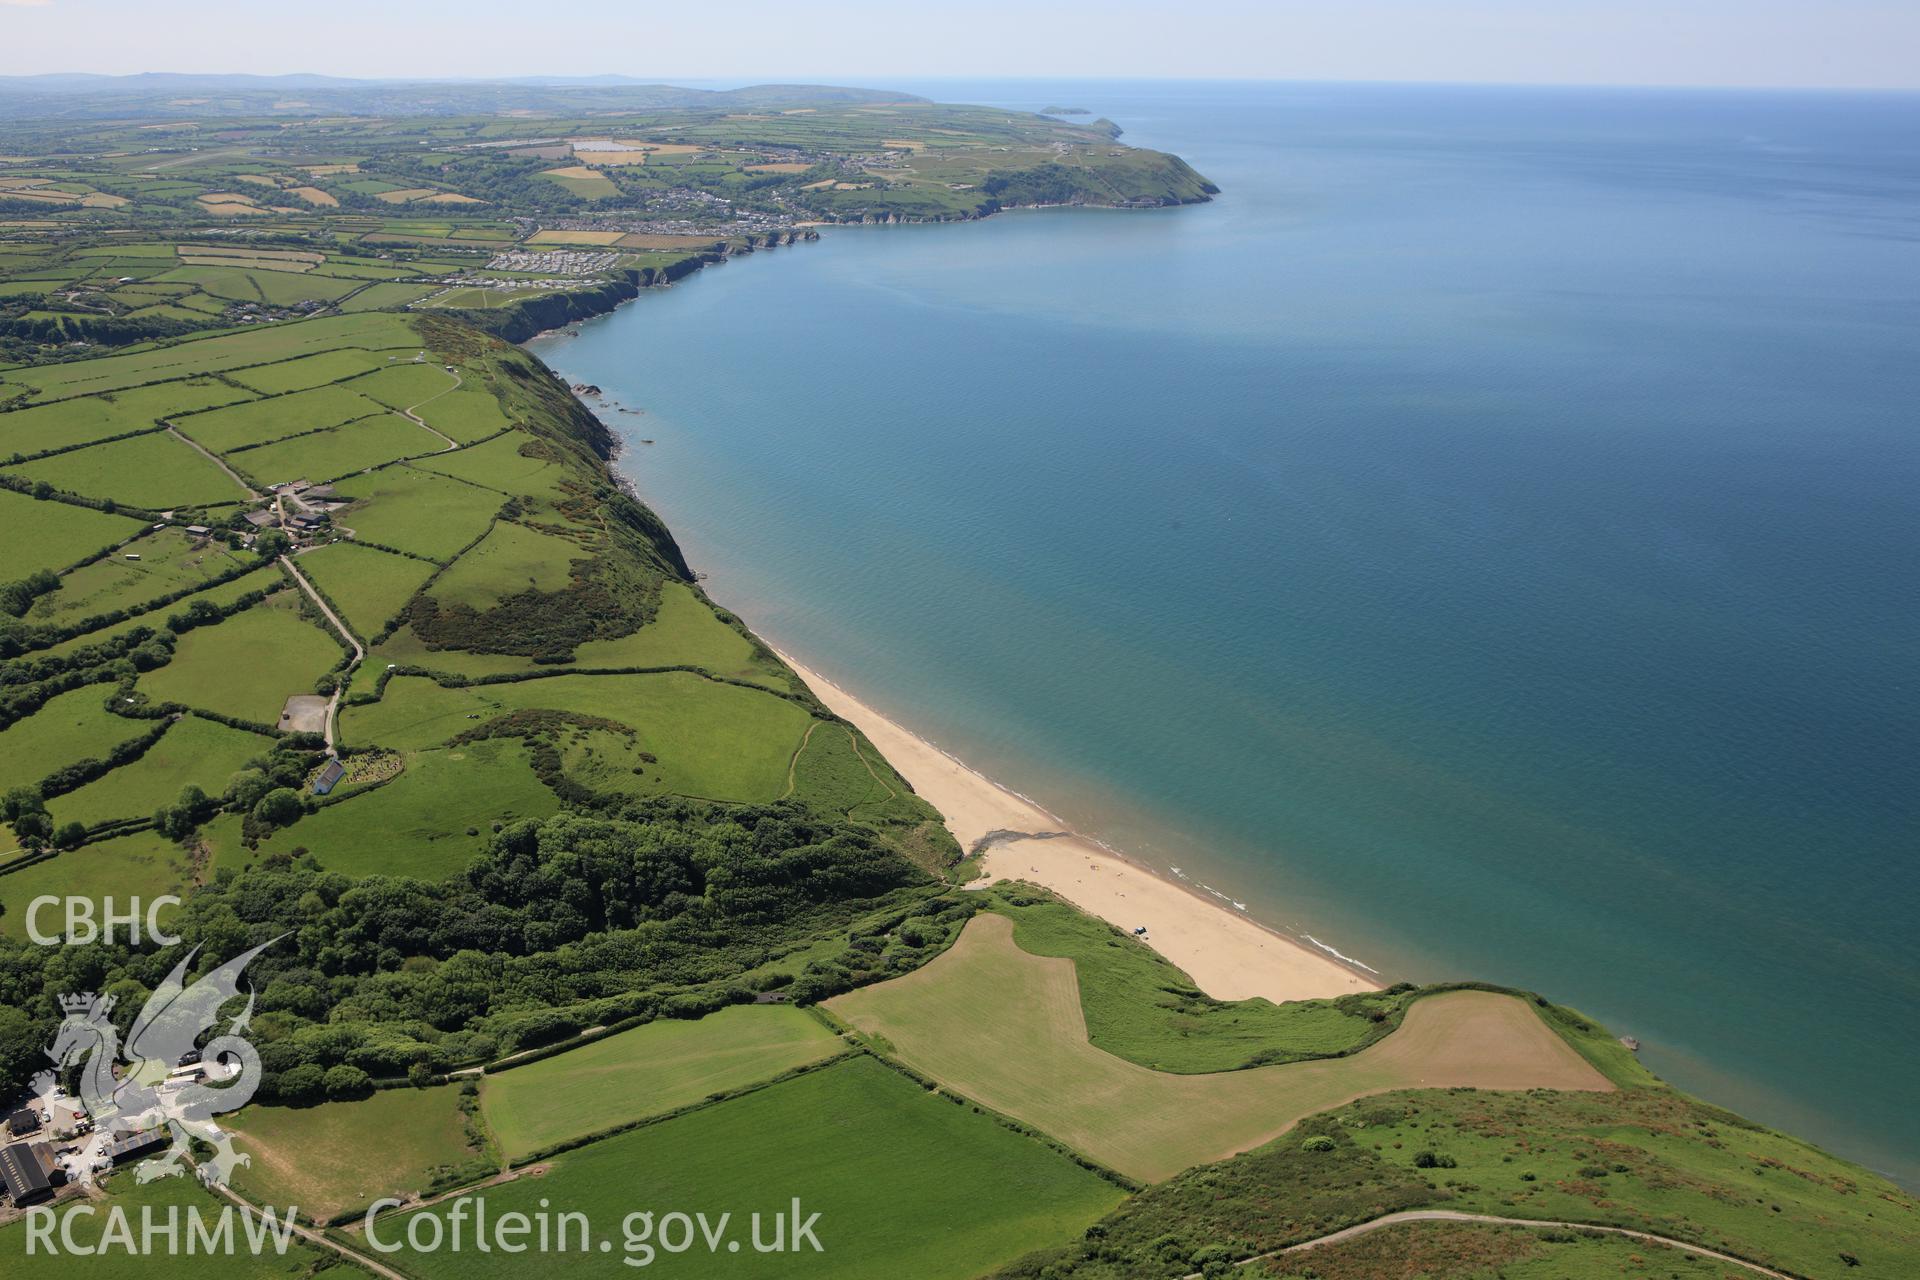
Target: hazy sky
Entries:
(1851, 43)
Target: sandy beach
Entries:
(1229, 955)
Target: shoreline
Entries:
(1226, 953)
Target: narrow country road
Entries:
(1449, 1215)
(359, 653)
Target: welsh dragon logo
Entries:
(141, 1085)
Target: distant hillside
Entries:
(82, 95)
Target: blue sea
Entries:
(1486, 539)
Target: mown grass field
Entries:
(322, 1160)
(418, 824)
(169, 561)
(193, 750)
(906, 1184)
(248, 665)
(712, 740)
(154, 471)
(367, 586)
(648, 1071)
(142, 865)
(1005, 1027)
(53, 535)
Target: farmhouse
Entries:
(23, 1122)
(27, 1171)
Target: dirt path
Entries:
(793, 765)
(359, 653)
(1449, 1215)
(252, 493)
(408, 414)
(320, 1240)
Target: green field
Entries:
(466, 414)
(308, 371)
(74, 422)
(366, 586)
(1005, 1027)
(143, 865)
(712, 740)
(316, 1158)
(416, 511)
(194, 750)
(70, 726)
(501, 464)
(1145, 1010)
(120, 1262)
(375, 331)
(683, 632)
(53, 535)
(170, 561)
(248, 665)
(905, 1182)
(153, 471)
(378, 296)
(510, 559)
(405, 383)
(335, 452)
(249, 284)
(648, 1071)
(259, 421)
(417, 825)
(588, 187)
(224, 594)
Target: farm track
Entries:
(359, 653)
(319, 1239)
(252, 494)
(408, 414)
(1451, 1215)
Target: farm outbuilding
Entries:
(27, 1170)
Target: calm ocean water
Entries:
(1485, 539)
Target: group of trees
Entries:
(559, 924)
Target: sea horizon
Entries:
(1345, 425)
